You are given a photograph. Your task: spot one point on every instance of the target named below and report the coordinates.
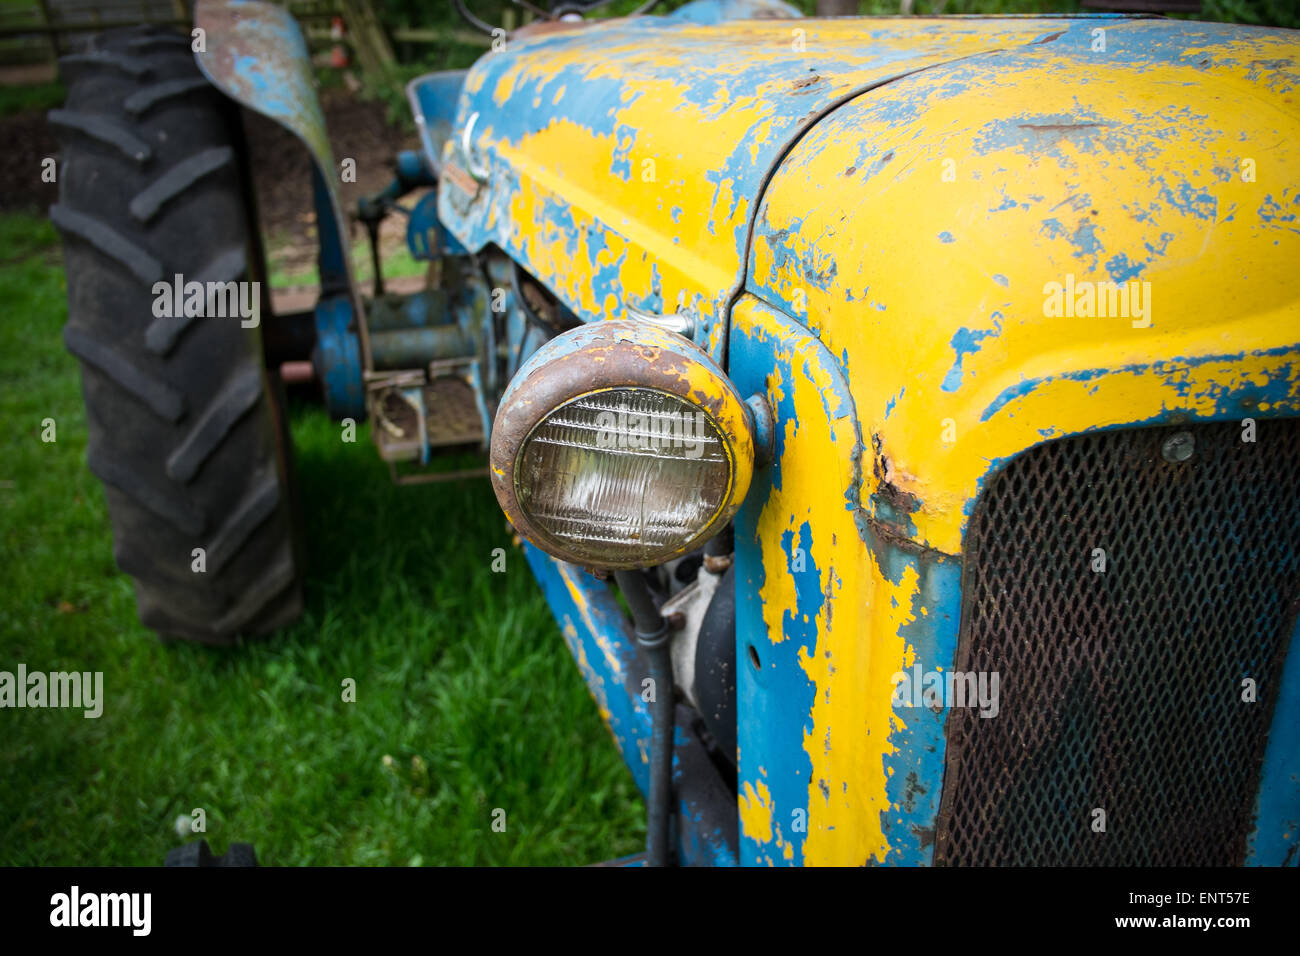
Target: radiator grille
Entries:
(1121, 690)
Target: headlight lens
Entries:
(620, 445)
(624, 475)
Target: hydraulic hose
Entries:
(653, 635)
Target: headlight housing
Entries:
(619, 445)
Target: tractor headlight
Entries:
(620, 445)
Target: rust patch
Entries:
(460, 179)
(924, 836)
(902, 501)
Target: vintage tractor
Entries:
(928, 390)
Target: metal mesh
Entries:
(1122, 690)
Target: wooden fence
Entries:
(41, 30)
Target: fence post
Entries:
(49, 22)
(373, 52)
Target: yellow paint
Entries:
(756, 811)
(595, 682)
(861, 648)
(900, 294)
(612, 662)
(685, 226)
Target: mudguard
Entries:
(255, 53)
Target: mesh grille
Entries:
(1122, 690)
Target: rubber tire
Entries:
(184, 428)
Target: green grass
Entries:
(395, 264)
(39, 97)
(466, 697)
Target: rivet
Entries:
(1178, 447)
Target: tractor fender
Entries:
(255, 54)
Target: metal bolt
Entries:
(1178, 447)
(677, 322)
(717, 563)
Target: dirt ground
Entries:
(281, 171)
(282, 174)
(27, 141)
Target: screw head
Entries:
(1178, 447)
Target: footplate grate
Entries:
(1121, 690)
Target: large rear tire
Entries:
(183, 425)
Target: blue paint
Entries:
(426, 236)
(1189, 199)
(774, 701)
(1052, 229)
(1271, 211)
(1121, 270)
(629, 718)
(946, 236)
(337, 359)
(1085, 243)
(1275, 841)
(709, 12)
(915, 785)
(967, 342)
(1276, 393)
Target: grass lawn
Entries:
(466, 699)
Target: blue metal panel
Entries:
(426, 237)
(600, 638)
(1276, 839)
(433, 99)
(331, 256)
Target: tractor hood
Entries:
(622, 161)
(926, 195)
(1098, 230)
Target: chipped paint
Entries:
(917, 304)
(600, 638)
(256, 54)
(1063, 162)
(831, 619)
(756, 811)
(652, 160)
